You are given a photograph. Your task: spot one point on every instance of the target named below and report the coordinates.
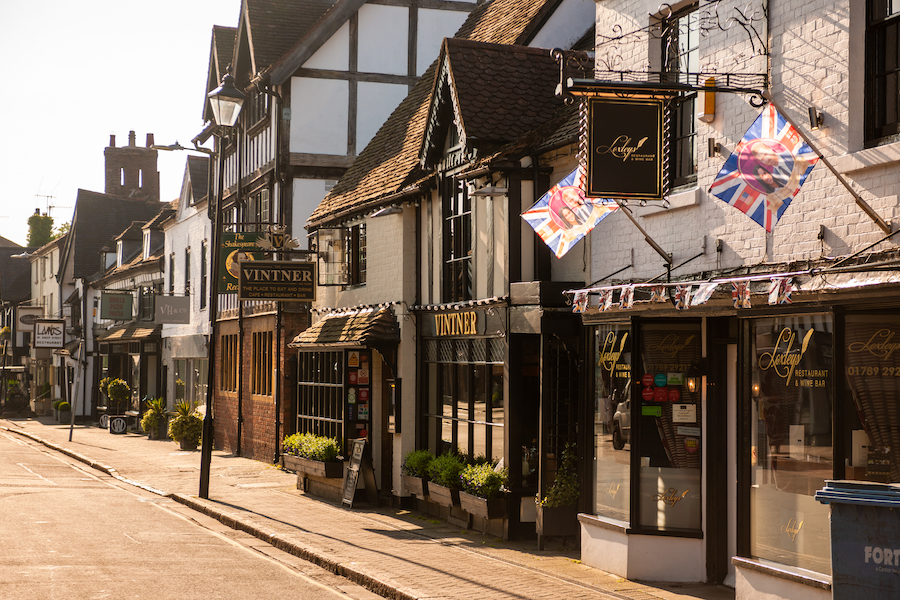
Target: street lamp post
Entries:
(225, 101)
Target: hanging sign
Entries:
(49, 333)
(173, 310)
(282, 281)
(116, 306)
(625, 158)
(235, 248)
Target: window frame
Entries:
(676, 62)
(458, 242)
(877, 128)
(261, 364)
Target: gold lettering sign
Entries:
(792, 528)
(879, 345)
(609, 356)
(462, 323)
(671, 496)
(613, 490)
(670, 346)
(785, 358)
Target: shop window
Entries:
(457, 239)
(612, 421)
(146, 297)
(667, 428)
(229, 364)
(465, 403)
(261, 364)
(882, 105)
(320, 393)
(871, 418)
(680, 53)
(356, 255)
(791, 452)
(180, 380)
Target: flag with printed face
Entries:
(703, 294)
(740, 294)
(658, 293)
(564, 215)
(766, 169)
(780, 290)
(580, 302)
(682, 296)
(626, 298)
(605, 301)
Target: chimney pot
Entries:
(132, 138)
(112, 140)
(150, 141)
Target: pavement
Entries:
(396, 553)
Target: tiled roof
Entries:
(274, 26)
(223, 47)
(355, 328)
(502, 91)
(97, 218)
(389, 162)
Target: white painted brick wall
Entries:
(812, 61)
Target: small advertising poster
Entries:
(363, 376)
(351, 395)
(363, 414)
(684, 413)
(353, 359)
(49, 333)
(353, 376)
(363, 395)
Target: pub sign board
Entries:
(49, 333)
(235, 249)
(116, 306)
(625, 141)
(281, 281)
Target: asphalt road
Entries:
(68, 532)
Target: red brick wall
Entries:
(258, 435)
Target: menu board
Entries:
(358, 394)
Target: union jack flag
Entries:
(658, 294)
(703, 294)
(766, 169)
(780, 290)
(626, 298)
(564, 215)
(740, 294)
(580, 302)
(682, 297)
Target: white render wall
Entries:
(809, 54)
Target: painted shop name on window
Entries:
(464, 323)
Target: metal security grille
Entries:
(320, 391)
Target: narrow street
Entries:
(68, 531)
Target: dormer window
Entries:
(146, 252)
(120, 253)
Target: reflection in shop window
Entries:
(791, 452)
(612, 420)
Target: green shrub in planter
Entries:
(415, 463)
(313, 447)
(564, 491)
(119, 392)
(445, 470)
(64, 406)
(56, 403)
(186, 426)
(483, 480)
(154, 416)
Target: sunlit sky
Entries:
(77, 72)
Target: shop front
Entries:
(711, 436)
(131, 353)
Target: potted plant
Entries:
(186, 426)
(4, 333)
(118, 392)
(482, 494)
(153, 422)
(313, 454)
(415, 472)
(64, 411)
(443, 479)
(557, 512)
(55, 404)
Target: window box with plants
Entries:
(443, 479)
(483, 491)
(313, 454)
(154, 421)
(186, 426)
(557, 512)
(415, 472)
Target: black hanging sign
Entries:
(625, 142)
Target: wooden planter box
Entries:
(486, 508)
(328, 470)
(416, 486)
(443, 495)
(557, 520)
